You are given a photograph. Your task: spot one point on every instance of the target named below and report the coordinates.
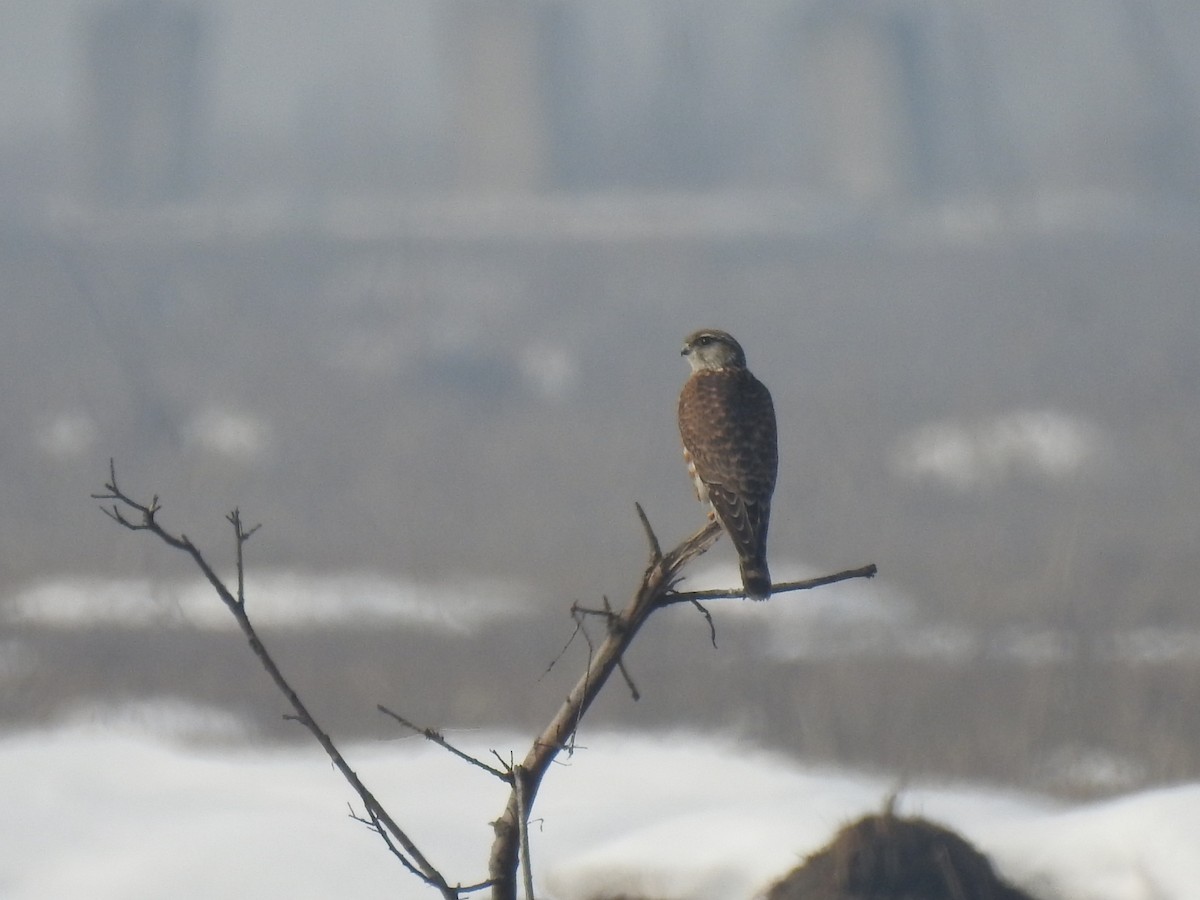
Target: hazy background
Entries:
(406, 281)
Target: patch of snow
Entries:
(116, 813)
(1088, 768)
(279, 599)
(161, 717)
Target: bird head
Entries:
(713, 349)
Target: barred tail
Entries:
(755, 578)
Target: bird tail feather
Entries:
(756, 579)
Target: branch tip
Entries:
(655, 549)
(435, 737)
(712, 628)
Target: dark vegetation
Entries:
(887, 857)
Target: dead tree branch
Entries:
(782, 588)
(655, 592)
(136, 516)
(436, 737)
(511, 844)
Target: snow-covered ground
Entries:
(158, 798)
(852, 618)
(280, 598)
(130, 805)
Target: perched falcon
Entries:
(727, 423)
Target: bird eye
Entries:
(704, 340)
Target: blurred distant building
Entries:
(858, 100)
(142, 99)
(875, 99)
(864, 98)
(642, 92)
(498, 118)
(867, 72)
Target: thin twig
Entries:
(436, 737)
(240, 536)
(655, 549)
(579, 615)
(574, 634)
(614, 622)
(581, 612)
(712, 628)
(372, 821)
(425, 870)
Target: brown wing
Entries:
(727, 423)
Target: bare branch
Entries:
(611, 621)
(629, 683)
(511, 845)
(375, 810)
(436, 737)
(660, 575)
(376, 826)
(371, 820)
(240, 538)
(574, 634)
(712, 628)
(655, 592)
(869, 571)
(634, 693)
(655, 549)
(506, 763)
(472, 888)
(523, 823)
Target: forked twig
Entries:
(147, 520)
(655, 549)
(655, 592)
